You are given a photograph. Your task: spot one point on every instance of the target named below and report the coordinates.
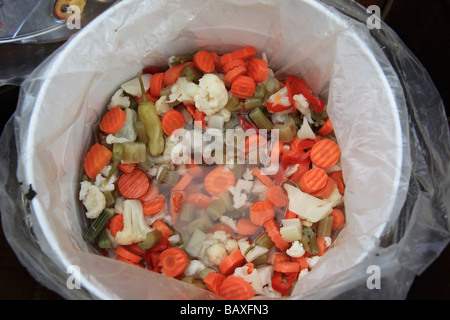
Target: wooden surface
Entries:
(422, 25)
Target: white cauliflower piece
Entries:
(240, 191)
(296, 250)
(216, 253)
(135, 228)
(335, 198)
(120, 100)
(183, 91)
(162, 106)
(93, 199)
(101, 177)
(212, 95)
(305, 131)
(252, 278)
(312, 261)
(231, 245)
(281, 98)
(229, 222)
(118, 206)
(248, 174)
(303, 273)
(220, 235)
(301, 104)
(194, 268)
(226, 114)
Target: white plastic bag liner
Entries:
(62, 101)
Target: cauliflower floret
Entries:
(303, 273)
(296, 250)
(194, 268)
(226, 114)
(135, 228)
(212, 95)
(301, 104)
(252, 278)
(305, 131)
(101, 177)
(162, 106)
(240, 192)
(183, 91)
(312, 261)
(216, 253)
(231, 245)
(119, 99)
(229, 222)
(93, 199)
(335, 198)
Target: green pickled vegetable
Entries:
(234, 104)
(152, 239)
(191, 74)
(141, 133)
(260, 260)
(260, 92)
(325, 226)
(264, 240)
(134, 152)
(103, 240)
(260, 119)
(152, 122)
(98, 225)
(166, 91)
(252, 103)
(110, 200)
(314, 247)
(272, 86)
(287, 130)
(187, 213)
(202, 223)
(116, 158)
(216, 209)
(181, 59)
(128, 130)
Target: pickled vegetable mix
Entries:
(213, 171)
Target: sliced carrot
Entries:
(116, 224)
(302, 262)
(236, 288)
(326, 191)
(135, 248)
(183, 182)
(325, 153)
(120, 258)
(246, 228)
(219, 180)
(190, 108)
(199, 118)
(231, 75)
(213, 280)
(301, 170)
(127, 254)
(153, 206)
(157, 84)
(243, 87)
(177, 199)
(287, 266)
(338, 178)
(173, 73)
(127, 167)
(290, 215)
(233, 64)
(326, 128)
(231, 262)
(273, 230)
(113, 120)
(151, 193)
(96, 159)
(276, 196)
(338, 218)
(264, 178)
(322, 245)
(199, 200)
(278, 257)
(172, 120)
(243, 54)
(163, 227)
(257, 69)
(260, 212)
(204, 61)
(134, 184)
(173, 262)
(217, 62)
(313, 180)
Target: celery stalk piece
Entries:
(98, 225)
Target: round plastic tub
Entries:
(336, 56)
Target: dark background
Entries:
(422, 25)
